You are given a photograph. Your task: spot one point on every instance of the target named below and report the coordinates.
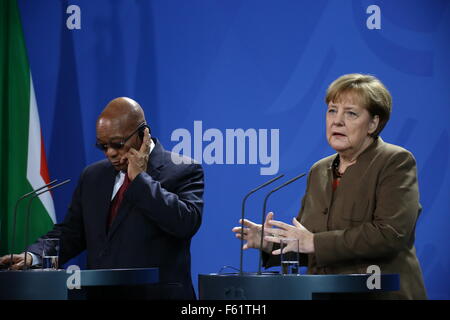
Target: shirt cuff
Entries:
(36, 259)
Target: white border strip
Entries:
(34, 155)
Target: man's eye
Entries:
(101, 146)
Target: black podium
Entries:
(273, 286)
(52, 285)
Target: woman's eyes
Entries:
(348, 114)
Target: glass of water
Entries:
(50, 254)
(289, 256)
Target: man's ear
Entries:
(373, 124)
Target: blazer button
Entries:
(325, 211)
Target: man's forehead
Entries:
(110, 128)
(122, 122)
(109, 122)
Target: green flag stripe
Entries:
(14, 123)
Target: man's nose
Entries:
(111, 152)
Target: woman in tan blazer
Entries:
(362, 203)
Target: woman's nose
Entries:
(339, 118)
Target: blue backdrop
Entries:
(251, 65)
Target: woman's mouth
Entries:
(338, 134)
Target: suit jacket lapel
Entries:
(155, 162)
(329, 189)
(105, 188)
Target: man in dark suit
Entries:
(138, 208)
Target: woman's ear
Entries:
(373, 124)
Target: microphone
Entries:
(28, 213)
(264, 214)
(15, 214)
(243, 215)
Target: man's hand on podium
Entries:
(18, 260)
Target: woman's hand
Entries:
(295, 231)
(252, 234)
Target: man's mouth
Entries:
(117, 164)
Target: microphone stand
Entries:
(15, 215)
(264, 215)
(243, 215)
(28, 214)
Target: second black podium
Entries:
(272, 286)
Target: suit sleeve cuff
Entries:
(325, 247)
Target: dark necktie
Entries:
(115, 203)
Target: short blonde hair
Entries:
(373, 95)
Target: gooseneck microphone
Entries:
(15, 214)
(36, 194)
(243, 215)
(264, 214)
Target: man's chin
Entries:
(120, 167)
